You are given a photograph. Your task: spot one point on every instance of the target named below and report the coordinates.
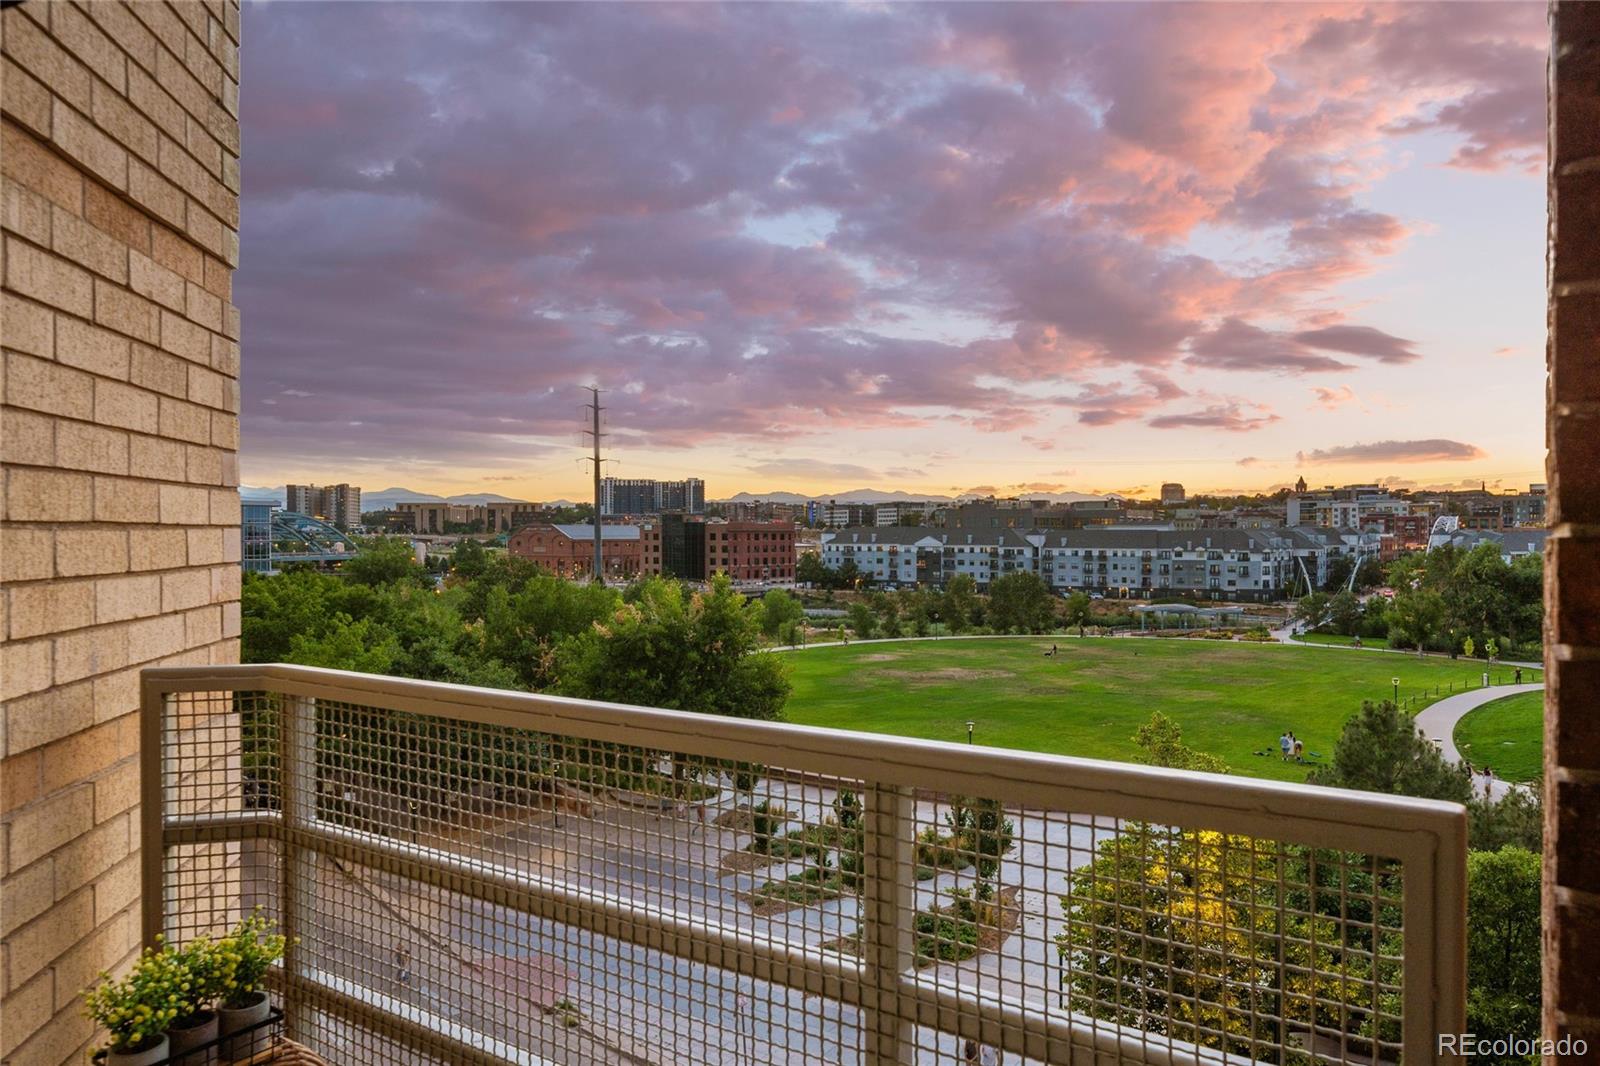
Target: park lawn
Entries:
(1506, 735)
(1232, 699)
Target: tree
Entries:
(346, 645)
(1380, 750)
(1344, 613)
(469, 559)
(383, 561)
(1467, 647)
(1229, 942)
(778, 609)
(1503, 942)
(691, 653)
(1020, 602)
(1311, 612)
(1078, 610)
(1415, 617)
(1160, 742)
(863, 620)
(525, 628)
(959, 607)
(1514, 820)
(810, 571)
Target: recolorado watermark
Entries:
(1471, 1045)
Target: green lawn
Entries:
(1231, 699)
(1506, 735)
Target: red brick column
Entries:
(1572, 560)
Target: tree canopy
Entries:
(1381, 750)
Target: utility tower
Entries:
(594, 409)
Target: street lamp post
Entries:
(1396, 682)
(969, 731)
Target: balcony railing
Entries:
(486, 876)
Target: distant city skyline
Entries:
(979, 248)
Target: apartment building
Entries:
(1131, 561)
(1350, 507)
(337, 504)
(835, 515)
(674, 545)
(1219, 563)
(1482, 509)
(751, 552)
(913, 555)
(901, 512)
(647, 496)
(446, 517)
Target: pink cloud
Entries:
(1232, 417)
(455, 216)
(1333, 399)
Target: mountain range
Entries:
(383, 499)
(896, 496)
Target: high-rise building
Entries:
(337, 504)
(642, 496)
(1171, 494)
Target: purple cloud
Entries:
(741, 218)
(1395, 451)
(1360, 340)
(1225, 416)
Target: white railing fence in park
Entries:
(471, 875)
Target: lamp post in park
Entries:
(969, 731)
(1396, 682)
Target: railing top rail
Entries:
(1380, 824)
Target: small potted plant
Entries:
(206, 973)
(136, 1011)
(245, 956)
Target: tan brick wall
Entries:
(1572, 556)
(118, 435)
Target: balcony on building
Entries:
(473, 875)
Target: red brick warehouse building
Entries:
(568, 550)
(751, 551)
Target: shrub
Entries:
(246, 954)
(138, 1009)
(765, 818)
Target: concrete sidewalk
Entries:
(1438, 723)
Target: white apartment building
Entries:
(1223, 563)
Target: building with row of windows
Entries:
(647, 496)
(442, 516)
(1130, 561)
(676, 545)
(568, 550)
(339, 505)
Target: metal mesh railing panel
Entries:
(540, 897)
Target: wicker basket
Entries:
(283, 1052)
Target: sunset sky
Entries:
(942, 249)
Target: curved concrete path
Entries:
(1438, 723)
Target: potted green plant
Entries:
(206, 972)
(136, 1011)
(245, 955)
